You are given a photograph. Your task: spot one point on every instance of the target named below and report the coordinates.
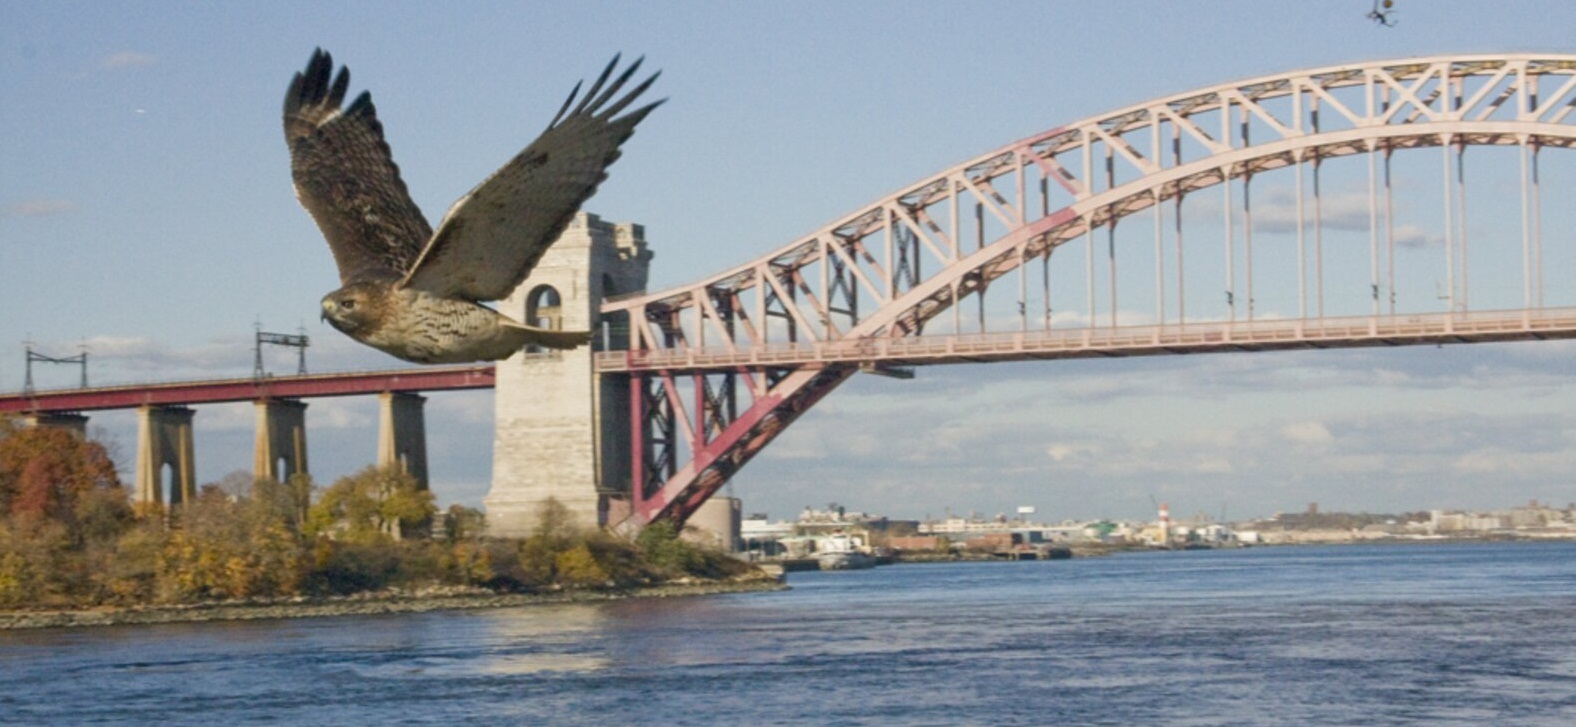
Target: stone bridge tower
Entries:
(560, 431)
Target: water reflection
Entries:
(511, 641)
(1283, 637)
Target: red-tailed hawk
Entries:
(415, 293)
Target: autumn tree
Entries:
(469, 557)
(288, 502)
(58, 474)
(131, 576)
(560, 552)
(221, 547)
(555, 534)
(377, 503)
(35, 562)
(61, 510)
(578, 568)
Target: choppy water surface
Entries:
(1438, 634)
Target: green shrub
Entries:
(576, 568)
(671, 555)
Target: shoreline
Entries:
(463, 599)
(1087, 550)
(360, 605)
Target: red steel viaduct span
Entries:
(165, 417)
(1414, 201)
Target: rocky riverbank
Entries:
(395, 601)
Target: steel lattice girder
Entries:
(716, 453)
(1440, 101)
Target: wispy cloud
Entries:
(1275, 210)
(143, 359)
(140, 355)
(127, 59)
(38, 208)
(1309, 433)
(1385, 430)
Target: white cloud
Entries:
(1413, 236)
(797, 443)
(339, 413)
(1069, 453)
(1275, 210)
(1493, 461)
(128, 59)
(229, 417)
(1211, 464)
(1309, 432)
(1382, 431)
(114, 359)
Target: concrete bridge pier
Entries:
(164, 437)
(281, 439)
(58, 420)
(402, 434)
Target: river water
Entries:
(1427, 634)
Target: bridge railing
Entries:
(1119, 340)
(115, 384)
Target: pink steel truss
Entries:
(720, 367)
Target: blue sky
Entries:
(146, 211)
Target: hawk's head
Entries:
(354, 308)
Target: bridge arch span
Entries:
(788, 327)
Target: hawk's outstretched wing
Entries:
(345, 176)
(492, 237)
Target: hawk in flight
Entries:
(413, 292)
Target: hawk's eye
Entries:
(349, 304)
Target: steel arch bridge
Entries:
(719, 367)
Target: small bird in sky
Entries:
(415, 293)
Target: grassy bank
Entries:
(71, 541)
(368, 604)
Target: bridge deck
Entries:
(249, 389)
(1259, 335)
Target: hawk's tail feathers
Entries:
(563, 340)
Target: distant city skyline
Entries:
(146, 202)
(1177, 515)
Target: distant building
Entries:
(976, 524)
(758, 535)
(913, 543)
(1442, 521)
(761, 537)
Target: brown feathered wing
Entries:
(346, 178)
(492, 237)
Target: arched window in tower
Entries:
(543, 309)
